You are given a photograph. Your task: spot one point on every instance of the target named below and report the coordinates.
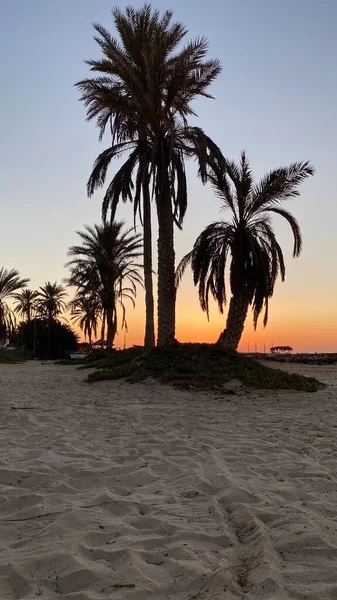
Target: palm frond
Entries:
(50, 300)
(10, 282)
(103, 269)
(294, 227)
(256, 258)
(279, 185)
(102, 162)
(181, 268)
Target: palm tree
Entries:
(25, 303)
(50, 301)
(10, 282)
(105, 262)
(86, 310)
(256, 258)
(143, 91)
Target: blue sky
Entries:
(276, 98)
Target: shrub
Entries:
(201, 366)
(47, 340)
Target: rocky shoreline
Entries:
(307, 359)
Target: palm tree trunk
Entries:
(238, 308)
(50, 318)
(103, 324)
(2, 324)
(114, 325)
(149, 339)
(110, 328)
(166, 274)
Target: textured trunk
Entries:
(103, 325)
(149, 339)
(166, 274)
(110, 328)
(2, 324)
(50, 320)
(238, 308)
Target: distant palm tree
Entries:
(256, 258)
(87, 311)
(25, 303)
(144, 89)
(50, 301)
(10, 282)
(105, 262)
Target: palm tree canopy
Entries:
(143, 91)
(106, 256)
(145, 77)
(86, 311)
(163, 159)
(25, 302)
(105, 262)
(10, 282)
(256, 258)
(51, 299)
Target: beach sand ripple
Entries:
(143, 492)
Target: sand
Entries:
(172, 494)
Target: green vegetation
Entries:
(10, 284)
(71, 362)
(47, 340)
(50, 301)
(86, 311)
(115, 359)
(25, 303)
(199, 366)
(8, 360)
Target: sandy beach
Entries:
(145, 492)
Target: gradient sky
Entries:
(276, 98)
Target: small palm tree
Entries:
(105, 262)
(50, 300)
(10, 283)
(86, 311)
(256, 258)
(143, 91)
(25, 303)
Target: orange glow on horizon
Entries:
(301, 329)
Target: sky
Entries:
(276, 98)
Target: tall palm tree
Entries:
(247, 242)
(111, 103)
(143, 91)
(105, 262)
(25, 303)
(50, 301)
(86, 310)
(10, 283)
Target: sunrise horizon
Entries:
(281, 120)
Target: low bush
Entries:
(198, 365)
